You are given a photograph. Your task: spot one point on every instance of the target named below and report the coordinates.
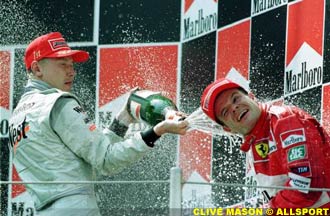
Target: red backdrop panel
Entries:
(305, 24)
(150, 67)
(326, 108)
(195, 154)
(4, 79)
(234, 49)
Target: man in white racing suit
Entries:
(53, 140)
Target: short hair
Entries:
(29, 71)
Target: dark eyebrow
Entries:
(231, 97)
(233, 94)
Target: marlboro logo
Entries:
(259, 6)
(305, 71)
(305, 78)
(200, 17)
(292, 137)
(203, 24)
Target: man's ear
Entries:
(35, 68)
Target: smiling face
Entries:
(57, 72)
(237, 110)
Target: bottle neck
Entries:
(138, 99)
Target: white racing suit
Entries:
(53, 140)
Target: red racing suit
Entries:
(289, 148)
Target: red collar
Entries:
(249, 139)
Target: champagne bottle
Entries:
(150, 107)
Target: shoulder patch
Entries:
(292, 137)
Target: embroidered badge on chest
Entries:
(262, 149)
(297, 153)
(292, 137)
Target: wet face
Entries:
(238, 111)
(57, 72)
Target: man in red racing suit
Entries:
(290, 148)
(285, 145)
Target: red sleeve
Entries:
(300, 143)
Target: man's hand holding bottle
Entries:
(174, 126)
(154, 110)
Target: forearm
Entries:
(149, 135)
(118, 128)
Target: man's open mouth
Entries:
(242, 114)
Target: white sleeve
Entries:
(105, 151)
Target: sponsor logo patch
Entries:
(292, 137)
(303, 169)
(57, 43)
(272, 143)
(92, 127)
(296, 153)
(17, 133)
(300, 182)
(36, 54)
(23, 107)
(262, 149)
(272, 146)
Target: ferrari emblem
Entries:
(262, 149)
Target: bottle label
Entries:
(135, 110)
(135, 107)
